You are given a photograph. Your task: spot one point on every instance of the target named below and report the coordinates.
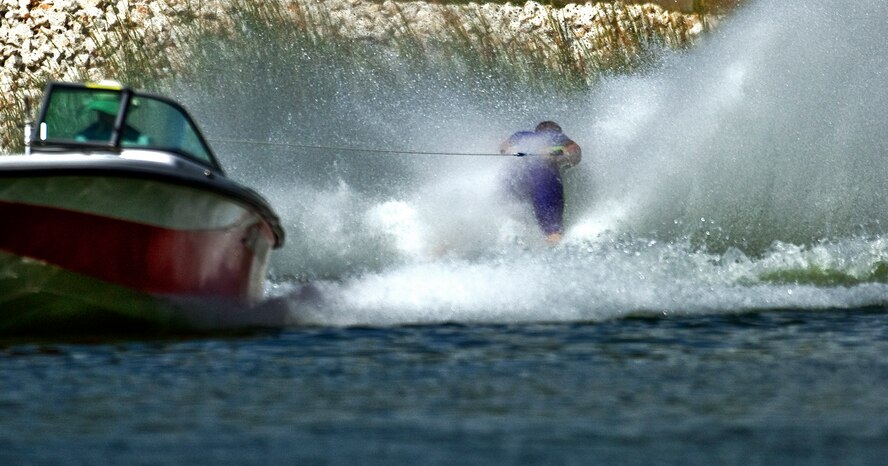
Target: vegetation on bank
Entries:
(686, 6)
(273, 32)
(117, 47)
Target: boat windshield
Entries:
(92, 116)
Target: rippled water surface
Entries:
(770, 387)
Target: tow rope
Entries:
(356, 149)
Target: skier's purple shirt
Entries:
(538, 180)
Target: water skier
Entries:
(537, 178)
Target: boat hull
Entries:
(72, 242)
(40, 299)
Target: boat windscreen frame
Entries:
(115, 141)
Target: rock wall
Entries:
(61, 39)
(378, 21)
(585, 29)
(80, 39)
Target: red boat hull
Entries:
(129, 244)
(224, 262)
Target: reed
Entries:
(686, 6)
(121, 53)
(300, 36)
(129, 59)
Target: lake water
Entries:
(797, 387)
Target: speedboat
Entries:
(119, 215)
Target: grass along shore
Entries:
(152, 45)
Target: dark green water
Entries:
(797, 387)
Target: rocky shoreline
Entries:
(44, 40)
